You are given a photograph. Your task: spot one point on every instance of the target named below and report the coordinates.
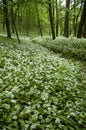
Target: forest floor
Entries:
(42, 84)
(60, 46)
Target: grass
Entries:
(39, 90)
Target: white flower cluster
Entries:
(38, 89)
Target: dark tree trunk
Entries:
(51, 19)
(14, 22)
(5, 8)
(77, 17)
(3, 22)
(84, 30)
(38, 19)
(74, 19)
(82, 21)
(57, 21)
(53, 13)
(66, 24)
(12, 17)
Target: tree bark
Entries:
(6, 16)
(82, 21)
(51, 19)
(19, 18)
(66, 24)
(57, 21)
(12, 17)
(38, 19)
(3, 22)
(77, 17)
(74, 18)
(53, 9)
(14, 24)
(84, 30)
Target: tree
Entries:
(74, 18)
(6, 16)
(82, 21)
(57, 17)
(38, 19)
(14, 20)
(51, 19)
(84, 30)
(66, 24)
(12, 16)
(77, 15)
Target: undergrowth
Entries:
(39, 90)
(68, 47)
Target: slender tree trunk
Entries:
(27, 22)
(16, 32)
(57, 21)
(84, 30)
(74, 19)
(51, 19)
(19, 22)
(66, 24)
(12, 17)
(16, 27)
(3, 22)
(82, 21)
(77, 17)
(14, 24)
(53, 8)
(6, 16)
(21, 17)
(38, 19)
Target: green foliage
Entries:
(39, 90)
(71, 47)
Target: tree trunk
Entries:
(27, 21)
(38, 19)
(51, 19)
(5, 8)
(53, 12)
(74, 19)
(12, 17)
(3, 22)
(14, 24)
(77, 17)
(19, 19)
(84, 30)
(82, 21)
(66, 24)
(57, 21)
(16, 32)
